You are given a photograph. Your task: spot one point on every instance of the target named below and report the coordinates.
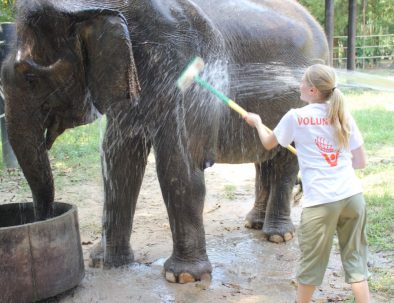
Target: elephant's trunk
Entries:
(27, 139)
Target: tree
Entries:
(375, 17)
(378, 15)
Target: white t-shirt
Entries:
(327, 173)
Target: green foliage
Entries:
(375, 17)
(7, 12)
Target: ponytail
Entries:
(337, 116)
(323, 78)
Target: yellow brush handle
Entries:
(289, 147)
(237, 108)
(244, 113)
(231, 103)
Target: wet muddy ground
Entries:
(246, 268)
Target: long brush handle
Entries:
(226, 100)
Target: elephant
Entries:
(75, 60)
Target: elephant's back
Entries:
(275, 28)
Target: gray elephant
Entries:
(76, 58)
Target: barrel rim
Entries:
(72, 209)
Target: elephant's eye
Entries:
(31, 78)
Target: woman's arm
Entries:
(359, 158)
(267, 138)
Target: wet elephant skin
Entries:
(75, 59)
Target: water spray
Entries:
(191, 74)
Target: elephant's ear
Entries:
(108, 58)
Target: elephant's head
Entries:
(66, 65)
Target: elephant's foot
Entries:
(177, 271)
(255, 219)
(279, 230)
(110, 257)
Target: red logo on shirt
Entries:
(328, 152)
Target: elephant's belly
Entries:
(242, 146)
(238, 156)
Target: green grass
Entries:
(382, 283)
(78, 144)
(374, 114)
(75, 156)
(380, 217)
(7, 12)
(376, 124)
(229, 191)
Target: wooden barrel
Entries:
(39, 259)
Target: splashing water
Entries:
(354, 79)
(264, 81)
(204, 105)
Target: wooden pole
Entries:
(351, 41)
(364, 29)
(329, 28)
(7, 32)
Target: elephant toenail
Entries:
(288, 236)
(186, 278)
(276, 239)
(170, 277)
(206, 278)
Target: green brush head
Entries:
(187, 76)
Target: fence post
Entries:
(351, 40)
(7, 32)
(329, 28)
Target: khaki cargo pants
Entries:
(315, 235)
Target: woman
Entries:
(329, 148)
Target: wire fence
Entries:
(372, 51)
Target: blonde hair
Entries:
(323, 78)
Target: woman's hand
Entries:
(267, 137)
(253, 120)
(359, 158)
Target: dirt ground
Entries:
(246, 268)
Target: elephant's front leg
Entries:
(124, 160)
(183, 189)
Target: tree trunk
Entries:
(329, 28)
(7, 32)
(351, 42)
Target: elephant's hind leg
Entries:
(255, 218)
(282, 173)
